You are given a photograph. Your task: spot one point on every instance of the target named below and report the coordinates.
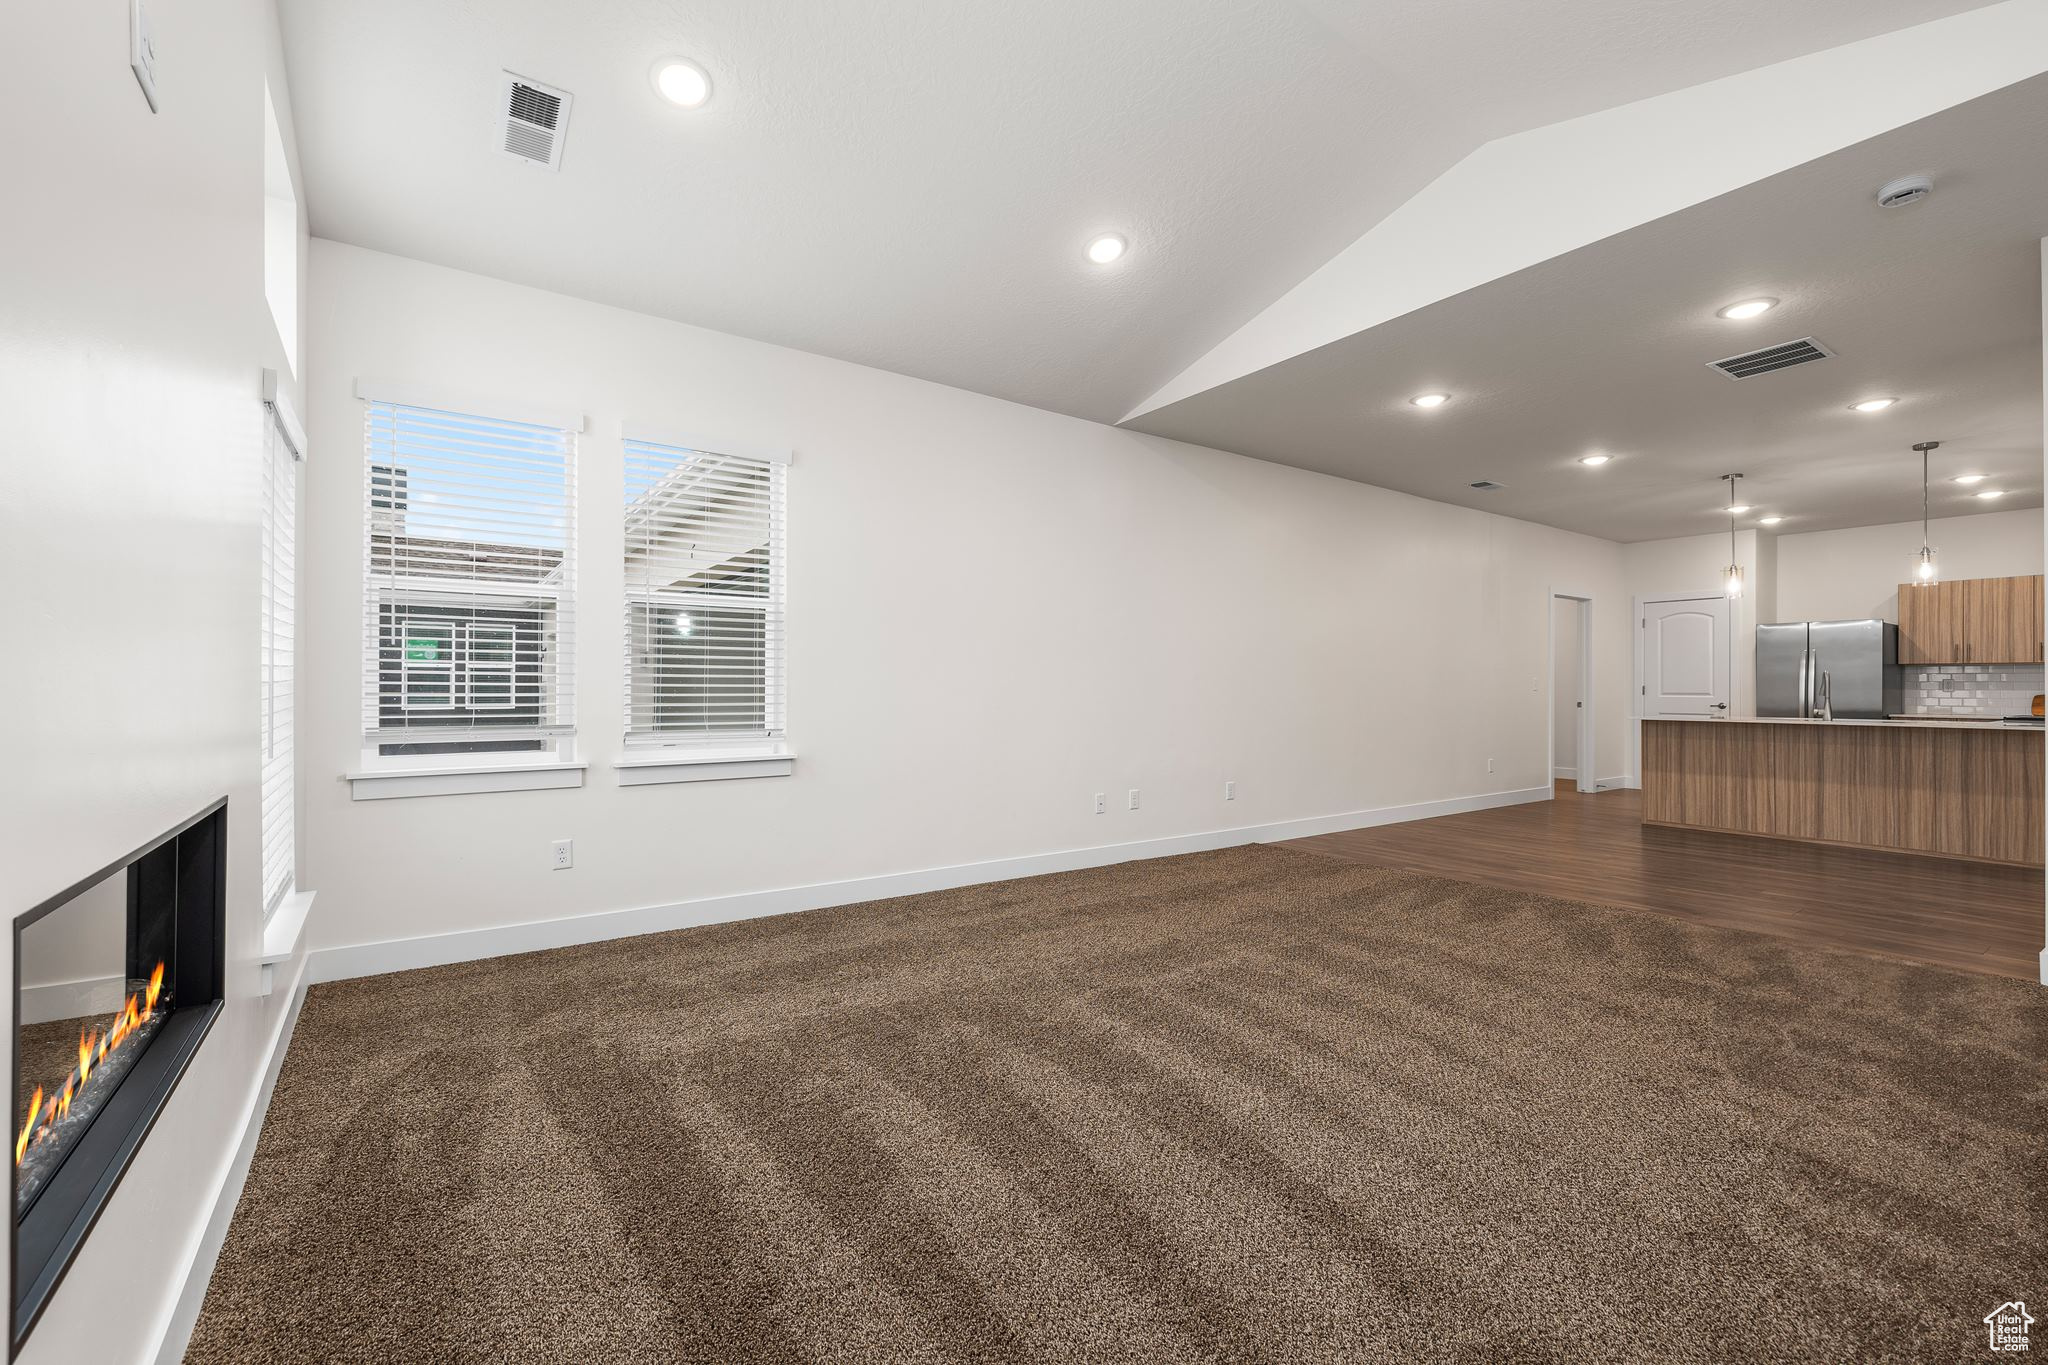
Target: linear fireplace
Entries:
(116, 982)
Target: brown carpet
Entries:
(1251, 1105)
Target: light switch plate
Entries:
(142, 51)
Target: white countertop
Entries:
(1929, 722)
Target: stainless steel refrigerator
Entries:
(1860, 658)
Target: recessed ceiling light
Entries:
(1768, 521)
(1968, 479)
(682, 83)
(1872, 405)
(1106, 248)
(1992, 493)
(1430, 400)
(1595, 460)
(1735, 509)
(1748, 308)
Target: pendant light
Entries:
(1731, 577)
(1924, 572)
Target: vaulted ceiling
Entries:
(1605, 350)
(909, 183)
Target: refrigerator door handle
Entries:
(1806, 683)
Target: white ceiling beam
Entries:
(1532, 196)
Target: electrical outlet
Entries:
(1489, 765)
(565, 854)
(1101, 803)
(1230, 791)
(1134, 798)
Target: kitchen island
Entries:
(1947, 788)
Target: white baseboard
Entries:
(1560, 774)
(91, 996)
(436, 950)
(2044, 966)
(204, 1252)
(1600, 784)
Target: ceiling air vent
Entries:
(535, 119)
(1488, 485)
(1770, 358)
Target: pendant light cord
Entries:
(1924, 453)
(1731, 516)
(1926, 449)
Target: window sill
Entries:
(383, 785)
(282, 933)
(709, 765)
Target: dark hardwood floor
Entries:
(1970, 916)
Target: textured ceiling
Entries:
(1605, 349)
(909, 183)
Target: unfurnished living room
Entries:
(888, 681)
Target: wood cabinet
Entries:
(1971, 621)
(2032, 608)
(1925, 635)
(2001, 621)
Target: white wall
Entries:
(1837, 575)
(1846, 575)
(1695, 564)
(132, 332)
(994, 613)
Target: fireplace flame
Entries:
(28, 1129)
(93, 1049)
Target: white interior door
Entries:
(1686, 664)
(1564, 687)
(1571, 673)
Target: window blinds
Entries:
(704, 594)
(468, 588)
(280, 620)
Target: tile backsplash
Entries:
(1972, 689)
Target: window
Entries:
(280, 619)
(489, 654)
(468, 622)
(704, 571)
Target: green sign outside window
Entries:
(422, 651)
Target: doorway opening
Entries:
(1571, 691)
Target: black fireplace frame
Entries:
(188, 865)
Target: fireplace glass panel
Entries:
(117, 982)
(97, 984)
